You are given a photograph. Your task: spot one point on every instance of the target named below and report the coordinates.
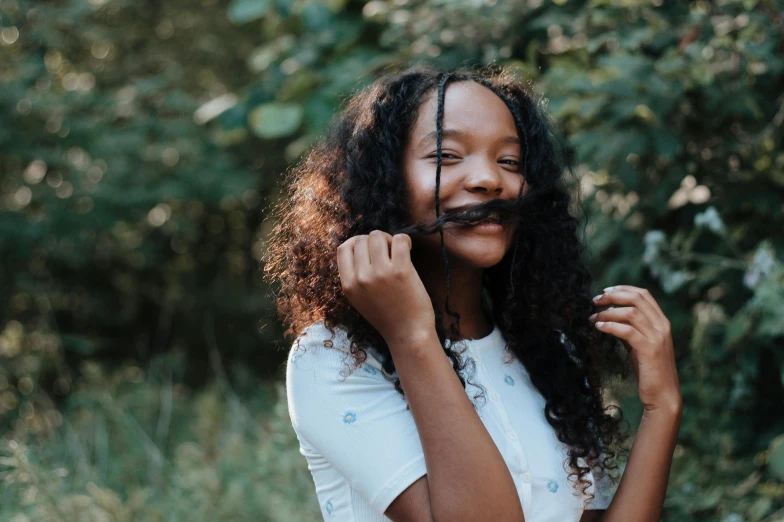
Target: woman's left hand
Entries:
(645, 332)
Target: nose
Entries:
(484, 177)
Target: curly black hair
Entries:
(349, 183)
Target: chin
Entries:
(470, 248)
(485, 260)
(480, 253)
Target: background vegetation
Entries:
(141, 364)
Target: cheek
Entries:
(421, 207)
(420, 194)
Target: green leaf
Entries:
(759, 509)
(737, 329)
(78, 344)
(242, 11)
(316, 16)
(665, 142)
(627, 64)
(591, 107)
(275, 120)
(284, 7)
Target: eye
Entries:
(443, 155)
(513, 161)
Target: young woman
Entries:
(405, 431)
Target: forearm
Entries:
(467, 476)
(640, 494)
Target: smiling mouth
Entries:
(492, 219)
(484, 227)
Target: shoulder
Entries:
(602, 488)
(323, 383)
(327, 354)
(317, 335)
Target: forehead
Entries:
(468, 107)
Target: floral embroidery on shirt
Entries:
(329, 506)
(508, 380)
(349, 417)
(370, 369)
(552, 486)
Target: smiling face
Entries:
(481, 161)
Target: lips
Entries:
(492, 219)
(495, 217)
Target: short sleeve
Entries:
(358, 422)
(603, 492)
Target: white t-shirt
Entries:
(363, 449)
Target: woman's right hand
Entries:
(380, 281)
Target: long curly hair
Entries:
(349, 183)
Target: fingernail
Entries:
(609, 289)
(598, 297)
(599, 323)
(592, 317)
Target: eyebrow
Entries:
(445, 133)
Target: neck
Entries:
(465, 294)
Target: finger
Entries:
(345, 256)
(628, 333)
(379, 248)
(645, 293)
(629, 315)
(401, 248)
(630, 298)
(361, 258)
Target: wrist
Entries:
(416, 342)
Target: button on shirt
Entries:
(363, 449)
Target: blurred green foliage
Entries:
(139, 143)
